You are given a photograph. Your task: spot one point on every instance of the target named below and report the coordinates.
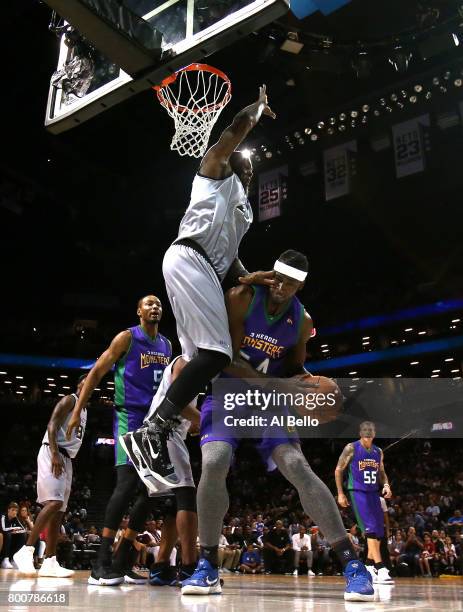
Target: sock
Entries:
(210, 553)
(121, 560)
(369, 562)
(379, 565)
(345, 551)
(104, 554)
(188, 569)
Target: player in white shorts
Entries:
(54, 479)
(184, 491)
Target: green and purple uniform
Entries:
(136, 379)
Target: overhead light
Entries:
(324, 345)
(458, 82)
(19, 392)
(456, 40)
(63, 376)
(449, 359)
(421, 333)
(352, 373)
(308, 131)
(394, 97)
(435, 375)
(23, 386)
(409, 329)
(342, 127)
(292, 44)
(435, 371)
(366, 338)
(313, 137)
(418, 88)
(50, 379)
(354, 114)
(320, 125)
(7, 382)
(454, 371)
(3, 373)
(51, 385)
(66, 387)
(414, 362)
(356, 379)
(456, 320)
(46, 391)
(398, 375)
(19, 377)
(60, 394)
(365, 108)
(269, 154)
(325, 350)
(342, 117)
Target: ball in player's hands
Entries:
(323, 401)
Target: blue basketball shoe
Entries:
(204, 581)
(358, 582)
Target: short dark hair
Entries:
(295, 259)
(142, 298)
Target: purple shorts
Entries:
(368, 512)
(265, 445)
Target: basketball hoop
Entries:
(194, 97)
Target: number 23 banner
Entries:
(339, 165)
(410, 144)
(273, 191)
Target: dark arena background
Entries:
(361, 171)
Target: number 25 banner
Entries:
(411, 141)
(273, 191)
(340, 167)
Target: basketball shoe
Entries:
(358, 582)
(204, 581)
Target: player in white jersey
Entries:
(194, 266)
(54, 479)
(185, 491)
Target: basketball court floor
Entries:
(241, 594)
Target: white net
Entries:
(194, 100)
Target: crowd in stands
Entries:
(266, 530)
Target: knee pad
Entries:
(186, 498)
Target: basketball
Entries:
(324, 401)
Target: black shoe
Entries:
(150, 443)
(161, 574)
(105, 576)
(131, 577)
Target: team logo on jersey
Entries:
(368, 464)
(147, 359)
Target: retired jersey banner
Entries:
(273, 191)
(340, 167)
(411, 141)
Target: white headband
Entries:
(289, 271)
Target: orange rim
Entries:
(192, 68)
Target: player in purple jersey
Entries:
(269, 328)
(140, 355)
(366, 474)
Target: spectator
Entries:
(353, 536)
(450, 555)
(302, 546)
(412, 550)
(228, 556)
(237, 537)
(277, 550)
(456, 519)
(322, 558)
(14, 535)
(250, 562)
(428, 554)
(396, 548)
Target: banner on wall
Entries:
(273, 191)
(340, 167)
(411, 141)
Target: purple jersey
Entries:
(267, 339)
(364, 468)
(136, 379)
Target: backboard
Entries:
(85, 84)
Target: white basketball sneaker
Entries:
(52, 569)
(384, 576)
(6, 564)
(24, 559)
(373, 573)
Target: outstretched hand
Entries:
(258, 278)
(263, 99)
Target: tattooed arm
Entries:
(343, 461)
(383, 479)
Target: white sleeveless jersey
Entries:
(166, 381)
(217, 218)
(73, 445)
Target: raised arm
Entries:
(384, 480)
(344, 459)
(118, 347)
(216, 162)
